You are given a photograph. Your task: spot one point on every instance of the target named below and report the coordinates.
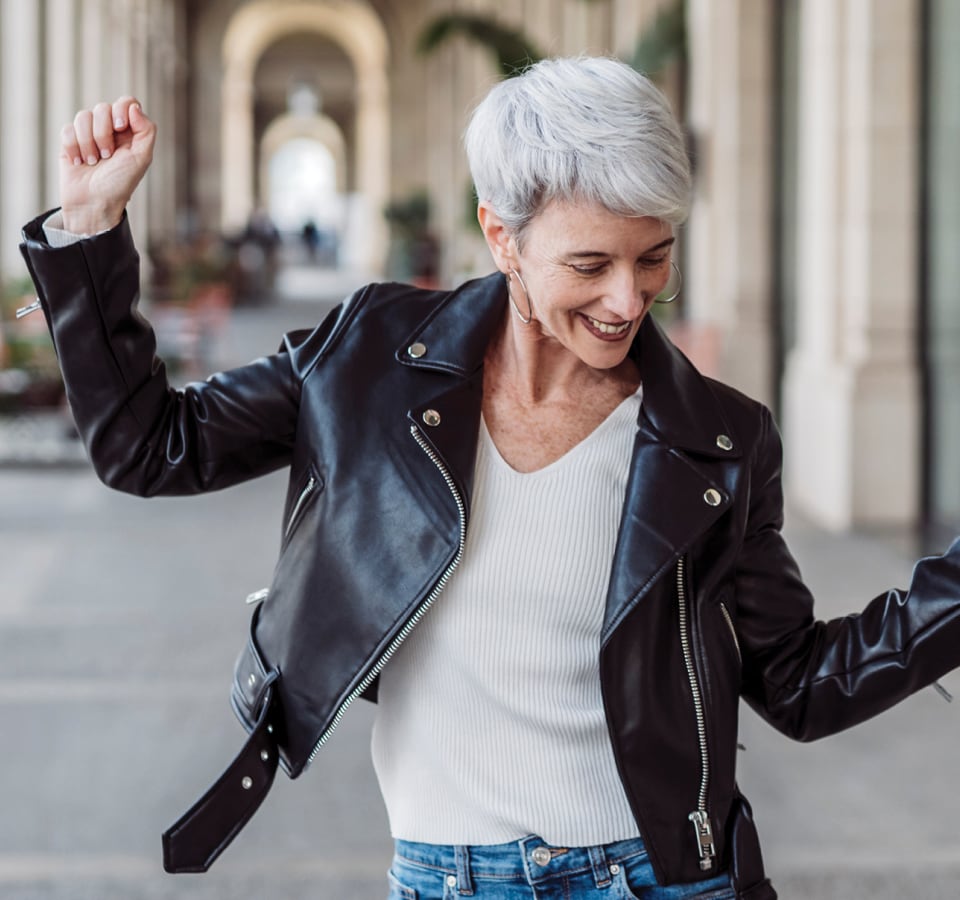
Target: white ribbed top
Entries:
(490, 722)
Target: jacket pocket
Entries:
(730, 628)
(310, 486)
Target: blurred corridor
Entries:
(308, 146)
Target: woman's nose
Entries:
(629, 296)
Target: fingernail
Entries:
(91, 160)
(118, 123)
(104, 153)
(77, 161)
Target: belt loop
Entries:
(464, 881)
(598, 862)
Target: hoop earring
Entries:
(676, 293)
(516, 308)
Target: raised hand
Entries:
(104, 153)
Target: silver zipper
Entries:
(699, 817)
(733, 631)
(304, 494)
(420, 611)
(30, 308)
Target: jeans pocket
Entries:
(636, 880)
(398, 890)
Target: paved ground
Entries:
(119, 623)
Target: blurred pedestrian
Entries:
(517, 517)
(310, 236)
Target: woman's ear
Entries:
(499, 239)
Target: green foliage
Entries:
(26, 351)
(12, 292)
(410, 215)
(512, 49)
(663, 42)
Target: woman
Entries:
(588, 529)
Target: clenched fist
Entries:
(104, 153)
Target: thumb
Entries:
(143, 133)
(138, 121)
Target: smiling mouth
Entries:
(604, 328)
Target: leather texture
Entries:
(378, 498)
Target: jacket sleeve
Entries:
(811, 678)
(142, 436)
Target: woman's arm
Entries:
(142, 436)
(810, 678)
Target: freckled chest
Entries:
(532, 436)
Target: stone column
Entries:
(236, 177)
(851, 393)
(61, 101)
(93, 46)
(373, 165)
(729, 241)
(626, 20)
(156, 40)
(441, 152)
(20, 126)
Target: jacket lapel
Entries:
(452, 341)
(676, 489)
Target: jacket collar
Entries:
(678, 402)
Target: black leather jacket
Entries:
(376, 413)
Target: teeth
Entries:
(608, 329)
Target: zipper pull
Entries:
(943, 692)
(257, 596)
(704, 833)
(26, 310)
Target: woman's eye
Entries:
(653, 262)
(589, 270)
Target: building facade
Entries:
(818, 260)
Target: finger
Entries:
(139, 122)
(103, 129)
(144, 133)
(83, 126)
(69, 149)
(120, 116)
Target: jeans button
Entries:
(541, 856)
(451, 881)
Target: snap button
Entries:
(724, 442)
(432, 418)
(712, 497)
(247, 783)
(614, 869)
(264, 755)
(541, 856)
(451, 881)
(415, 351)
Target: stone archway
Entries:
(321, 129)
(357, 29)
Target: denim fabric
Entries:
(529, 869)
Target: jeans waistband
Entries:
(529, 859)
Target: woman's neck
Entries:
(536, 369)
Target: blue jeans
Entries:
(529, 869)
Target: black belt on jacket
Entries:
(205, 830)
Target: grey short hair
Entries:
(578, 129)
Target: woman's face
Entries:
(591, 276)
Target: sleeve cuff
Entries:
(57, 236)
